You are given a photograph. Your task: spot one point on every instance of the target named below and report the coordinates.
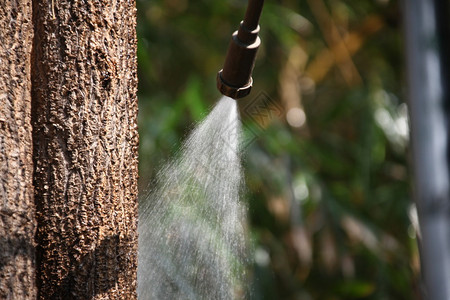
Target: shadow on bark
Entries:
(21, 246)
(100, 265)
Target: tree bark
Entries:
(17, 220)
(85, 148)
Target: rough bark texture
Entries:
(85, 148)
(17, 221)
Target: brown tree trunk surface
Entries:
(85, 140)
(17, 220)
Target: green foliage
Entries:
(329, 201)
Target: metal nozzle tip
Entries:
(231, 91)
(235, 79)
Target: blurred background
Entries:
(325, 160)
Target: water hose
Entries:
(235, 79)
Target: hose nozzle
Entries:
(235, 79)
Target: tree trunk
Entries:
(85, 148)
(17, 220)
(427, 31)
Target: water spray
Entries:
(235, 79)
(192, 223)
